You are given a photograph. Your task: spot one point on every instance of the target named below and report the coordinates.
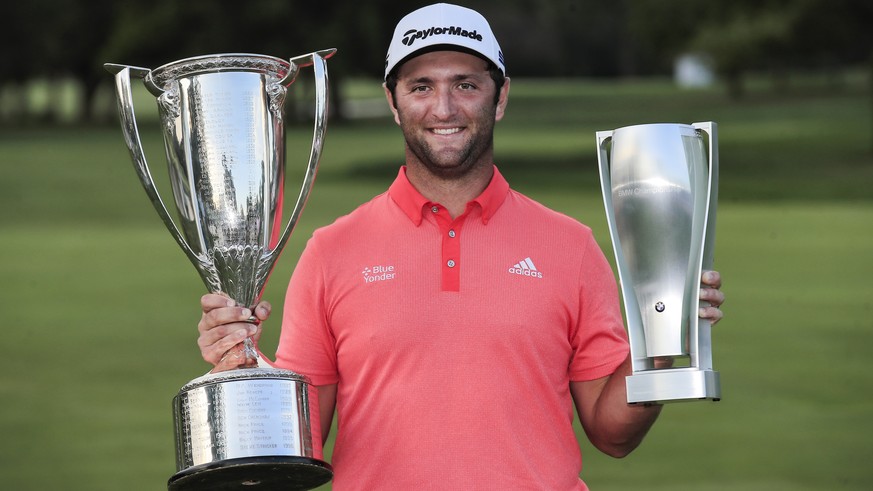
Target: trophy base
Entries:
(243, 428)
(291, 473)
(673, 385)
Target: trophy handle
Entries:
(124, 96)
(711, 130)
(319, 65)
(603, 139)
(703, 339)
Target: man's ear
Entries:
(502, 101)
(391, 105)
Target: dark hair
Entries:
(496, 75)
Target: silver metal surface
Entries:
(659, 184)
(224, 137)
(242, 413)
(223, 128)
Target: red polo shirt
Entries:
(453, 342)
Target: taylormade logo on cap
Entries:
(410, 36)
(446, 25)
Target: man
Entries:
(450, 365)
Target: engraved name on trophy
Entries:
(223, 129)
(659, 186)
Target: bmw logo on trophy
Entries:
(659, 185)
(222, 122)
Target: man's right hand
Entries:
(224, 326)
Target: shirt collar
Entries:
(413, 203)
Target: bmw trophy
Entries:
(659, 185)
(223, 129)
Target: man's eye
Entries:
(466, 86)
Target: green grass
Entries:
(100, 306)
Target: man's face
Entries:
(444, 104)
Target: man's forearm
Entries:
(613, 426)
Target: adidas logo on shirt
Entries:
(526, 267)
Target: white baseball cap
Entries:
(443, 24)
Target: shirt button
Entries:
(452, 234)
(451, 263)
(435, 209)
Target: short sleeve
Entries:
(306, 344)
(599, 342)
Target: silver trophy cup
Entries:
(222, 121)
(659, 185)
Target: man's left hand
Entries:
(710, 292)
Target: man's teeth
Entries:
(446, 131)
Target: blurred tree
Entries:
(661, 31)
(744, 41)
(19, 61)
(53, 39)
(49, 39)
(830, 33)
(160, 31)
(82, 31)
(565, 38)
(776, 35)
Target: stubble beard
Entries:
(454, 164)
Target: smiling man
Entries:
(452, 323)
(444, 104)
